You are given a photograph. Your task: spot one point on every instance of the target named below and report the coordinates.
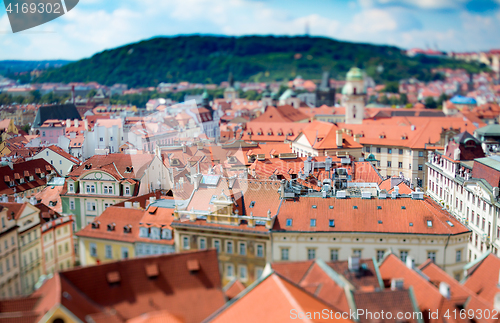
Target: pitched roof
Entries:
(58, 150)
(57, 112)
(274, 297)
(282, 113)
(482, 278)
(34, 167)
(366, 217)
(386, 301)
(117, 165)
(188, 296)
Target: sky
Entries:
(95, 25)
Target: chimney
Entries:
(409, 262)
(357, 138)
(33, 200)
(68, 123)
(184, 148)
(197, 180)
(282, 188)
(76, 123)
(496, 302)
(353, 263)
(128, 205)
(137, 205)
(444, 289)
(397, 283)
(5, 198)
(86, 124)
(339, 138)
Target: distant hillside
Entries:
(13, 66)
(209, 59)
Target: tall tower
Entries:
(353, 96)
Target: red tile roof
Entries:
(282, 113)
(483, 278)
(32, 166)
(274, 298)
(367, 217)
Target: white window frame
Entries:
(257, 250)
(184, 245)
(285, 254)
(242, 269)
(123, 251)
(229, 275)
(229, 242)
(244, 244)
(108, 251)
(214, 244)
(202, 243)
(93, 249)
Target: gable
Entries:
(302, 140)
(98, 176)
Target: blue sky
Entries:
(96, 25)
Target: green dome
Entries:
(354, 74)
(204, 95)
(371, 157)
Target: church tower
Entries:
(353, 96)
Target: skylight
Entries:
(288, 222)
(331, 223)
(411, 224)
(252, 204)
(379, 207)
(355, 207)
(429, 223)
(314, 206)
(450, 224)
(313, 222)
(331, 207)
(403, 207)
(379, 221)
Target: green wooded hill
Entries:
(209, 59)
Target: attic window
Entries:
(411, 224)
(331, 223)
(379, 221)
(450, 224)
(95, 225)
(314, 207)
(280, 133)
(403, 207)
(129, 169)
(379, 207)
(289, 222)
(252, 204)
(193, 265)
(111, 227)
(355, 207)
(249, 133)
(88, 166)
(313, 222)
(429, 223)
(113, 277)
(382, 136)
(331, 207)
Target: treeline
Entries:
(34, 97)
(209, 59)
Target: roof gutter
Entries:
(445, 247)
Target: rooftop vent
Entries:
(113, 277)
(341, 194)
(382, 194)
(193, 265)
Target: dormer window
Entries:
(382, 136)
(21, 180)
(111, 227)
(95, 225)
(71, 187)
(143, 232)
(127, 190)
(127, 229)
(155, 233)
(31, 177)
(42, 175)
(166, 234)
(129, 169)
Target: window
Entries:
(334, 254)
(242, 248)
(71, 205)
(93, 250)
(3, 223)
(90, 188)
(389, 163)
(313, 222)
(311, 253)
(71, 187)
(367, 149)
(400, 164)
(185, 243)
(420, 167)
(14, 262)
(217, 245)
(431, 255)
(229, 270)
(400, 151)
(243, 273)
(260, 251)
(379, 150)
(289, 222)
(389, 150)
(284, 253)
(229, 247)
(109, 251)
(429, 223)
(127, 190)
(420, 154)
(331, 223)
(110, 138)
(458, 256)
(166, 234)
(357, 253)
(101, 139)
(403, 255)
(91, 206)
(124, 253)
(380, 254)
(202, 243)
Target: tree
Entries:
(91, 93)
(403, 99)
(383, 99)
(430, 103)
(391, 87)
